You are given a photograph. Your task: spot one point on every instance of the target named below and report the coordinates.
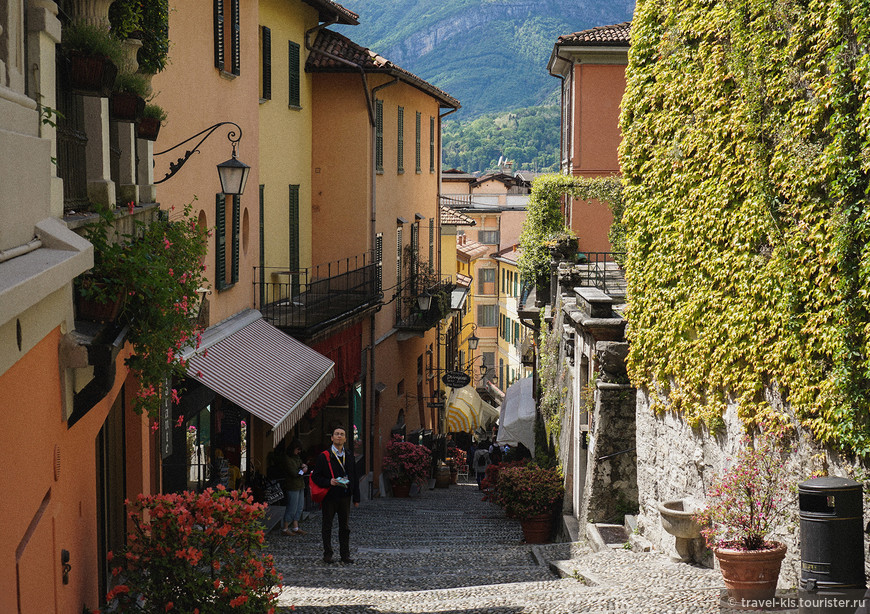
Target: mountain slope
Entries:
(490, 54)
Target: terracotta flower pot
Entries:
(148, 128)
(751, 574)
(401, 491)
(90, 75)
(94, 311)
(537, 529)
(126, 107)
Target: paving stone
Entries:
(448, 551)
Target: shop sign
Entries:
(166, 423)
(456, 379)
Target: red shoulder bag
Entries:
(318, 493)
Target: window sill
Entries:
(380, 171)
(227, 75)
(419, 172)
(224, 287)
(294, 107)
(401, 171)
(265, 100)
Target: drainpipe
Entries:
(102, 357)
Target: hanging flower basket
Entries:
(148, 128)
(90, 75)
(126, 106)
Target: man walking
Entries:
(336, 469)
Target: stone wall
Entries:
(675, 461)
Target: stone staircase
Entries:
(606, 276)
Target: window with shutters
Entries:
(417, 144)
(293, 236)
(227, 209)
(488, 237)
(487, 316)
(486, 281)
(400, 144)
(379, 136)
(431, 244)
(227, 36)
(293, 73)
(431, 144)
(379, 261)
(266, 60)
(398, 269)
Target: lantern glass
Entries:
(234, 176)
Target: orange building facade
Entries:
(591, 65)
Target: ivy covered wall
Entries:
(745, 154)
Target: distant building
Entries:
(591, 65)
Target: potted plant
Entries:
(127, 101)
(743, 509)
(92, 59)
(530, 493)
(562, 245)
(148, 127)
(405, 463)
(102, 291)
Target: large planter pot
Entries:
(148, 128)
(537, 529)
(454, 475)
(401, 491)
(95, 311)
(442, 476)
(126, 107)
(90, 75)
(751, 574)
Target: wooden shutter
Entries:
(431, 144)
(267, 63)
(431, 244)
(237, 208)
(293, 72)
(415, 248)
(237, 37)
(379, 135)
(220, 270)
(293, 234)
(219, 34)
(400, 145)
(262, 244)
(417, 144)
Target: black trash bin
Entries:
(832, 537)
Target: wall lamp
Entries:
(472, 340)
(233, 173)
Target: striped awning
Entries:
(466, 411)
(264, 371)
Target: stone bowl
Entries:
(678, 520)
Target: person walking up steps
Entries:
(336, 469)
(294, 487)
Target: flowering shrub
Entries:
(159, 268)
(527, 490)
(460, 457)
(406, 462)
(196, 553)
(749, 501)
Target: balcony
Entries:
(411, 320)
(306, 301)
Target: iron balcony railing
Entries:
(409, 317)
(602, 270)
(308, 300)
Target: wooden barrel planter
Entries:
(442, 476)
(537, 529)
(402, 491)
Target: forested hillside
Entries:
(490, 54)
(529, 137)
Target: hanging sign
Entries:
(456, 379)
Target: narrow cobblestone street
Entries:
(448, 551)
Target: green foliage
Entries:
(132, 82)
(528, 137)
(746, 150)
(527, 491)
(154, 111)
(502, 46)
(147, 21)
(544, 218)
(92, 40)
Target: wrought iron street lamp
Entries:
(233, 173)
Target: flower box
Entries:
(126, 106)
(90, 75)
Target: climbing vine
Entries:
(544, 218)
(745, 156)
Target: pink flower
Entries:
(131, 205)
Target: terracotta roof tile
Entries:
(342, 48)
(471, 250)
(463, 280)
(330, 10)
(602, 36)
(452, 217)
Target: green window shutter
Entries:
(237, 208)
(400, 145)
(293, 235)
(431, 244)
(267, 63)
(262, 244)
(220, 269)
(417, 144)
(379, 135)
(293, 71)
(237, 38)
(219, 34)
(431, 144)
